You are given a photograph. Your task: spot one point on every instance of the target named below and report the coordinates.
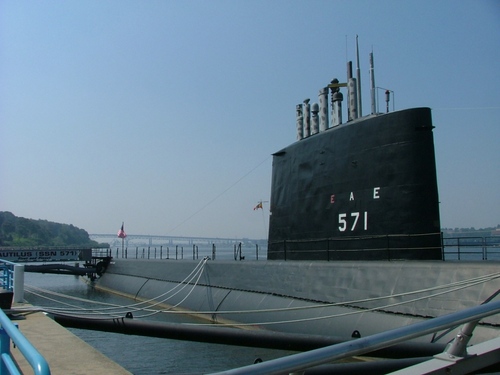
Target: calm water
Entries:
(144, 355)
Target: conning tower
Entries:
(365, 189)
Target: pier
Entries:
(34, 343)
(64, 352)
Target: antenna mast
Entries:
(372, 84)
(358, 79)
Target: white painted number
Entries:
(342, 222)
(355, 216)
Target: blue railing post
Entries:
(4, 349)
(34, 358)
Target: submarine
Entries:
(354, 246)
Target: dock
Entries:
(65, 352)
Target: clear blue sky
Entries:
(164, 114)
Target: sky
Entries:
(164, 114)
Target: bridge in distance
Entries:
(154, 240)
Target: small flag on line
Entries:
(259, 205)
(121, 233)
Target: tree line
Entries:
(19, 231)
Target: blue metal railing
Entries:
(6, 274)
(10, 331)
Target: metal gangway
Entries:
(456, 359)
(43, 259)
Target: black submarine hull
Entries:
(364, 190)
